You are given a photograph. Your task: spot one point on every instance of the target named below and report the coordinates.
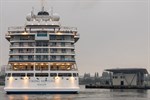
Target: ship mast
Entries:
(42, 5)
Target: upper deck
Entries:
(21, 29)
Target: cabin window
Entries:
(30, 74)
(77, 74)
(41, 74)
(64, 74)
(74, 74)
(122, 76)
(53, 74)
(52, 37)
(8, 74)
(18, 74)
(115, 77)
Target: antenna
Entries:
(42, 4)
(32, 12)
(52, 11)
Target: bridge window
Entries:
(42, 34)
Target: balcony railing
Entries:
(41, 45)
(41, 59)
(10, 68)
(20, 59)
(61, 46)
(22, 28)
(62, 53)
(21, 39)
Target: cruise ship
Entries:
(42, 56)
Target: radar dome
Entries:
(55, 17)
(29, 17)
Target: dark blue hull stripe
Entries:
(42, 92)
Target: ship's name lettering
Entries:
(41, 81)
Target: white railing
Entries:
(17, 28)
(42, 23)
(22, 28)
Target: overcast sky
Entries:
(113, 33)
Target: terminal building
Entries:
(127, 76)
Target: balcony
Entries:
(20, 46)
(76, 37)
(21, 29)
(62, 53)
(42, 59)
(21, 53)
(13, 40)
(42, 23)
(62, 60)
(62, 46)
(7, 36)
(21, 59)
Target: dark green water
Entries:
(84, 94)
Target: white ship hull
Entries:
(42, 85)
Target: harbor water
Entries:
(84, 94)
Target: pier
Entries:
(124, 78)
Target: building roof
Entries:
(128, 70)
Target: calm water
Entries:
(85, 94)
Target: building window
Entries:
(115, 77)
(122, 77)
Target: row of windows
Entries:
(22, 38)
(43, 34)
(41, 50)
(41, 74)
(41, 43)
(44, 57)
(61, 37)
(115, 77)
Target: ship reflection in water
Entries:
(84, 94)
(41, 97)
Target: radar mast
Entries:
(42, 4)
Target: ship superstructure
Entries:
(42, 56)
